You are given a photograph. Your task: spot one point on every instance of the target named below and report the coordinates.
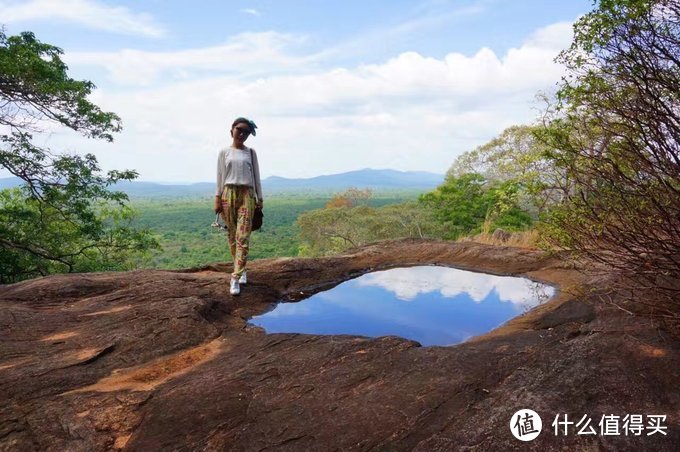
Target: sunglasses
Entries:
(242, 130)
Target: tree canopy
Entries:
(615, 133)
(64, 218)
(472, 203)
(517, 155)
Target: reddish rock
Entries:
(152, 360)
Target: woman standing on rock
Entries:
(238, 192)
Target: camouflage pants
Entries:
(238, 204)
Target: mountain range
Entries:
(384, 179)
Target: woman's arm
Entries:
(220, 181)
(220, 173)
(257, 182)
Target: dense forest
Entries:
(184, 231)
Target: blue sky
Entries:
(334, 86)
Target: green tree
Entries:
(351, 197)
(463, 205)
(64, 218)
(335, 229)
(615, 132)
(518, 155)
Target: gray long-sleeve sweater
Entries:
(234, 167)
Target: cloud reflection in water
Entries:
(432, 305)
(407, 283)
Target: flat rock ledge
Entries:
(155, 360)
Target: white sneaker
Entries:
(234, 289)
(243, 279)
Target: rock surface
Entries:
(154, 360)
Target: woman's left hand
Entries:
(260, 204)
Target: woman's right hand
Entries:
(218, 204)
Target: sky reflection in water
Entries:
(431, 305)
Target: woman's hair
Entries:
(251, 125)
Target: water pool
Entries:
(429, 304)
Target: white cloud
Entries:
(116, 19)
(251, 11)
(553, 36)
(241, 56)
(410, 112)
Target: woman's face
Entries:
(240, 132)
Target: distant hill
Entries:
(366, 178)
(375, 179)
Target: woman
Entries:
(238, 192)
